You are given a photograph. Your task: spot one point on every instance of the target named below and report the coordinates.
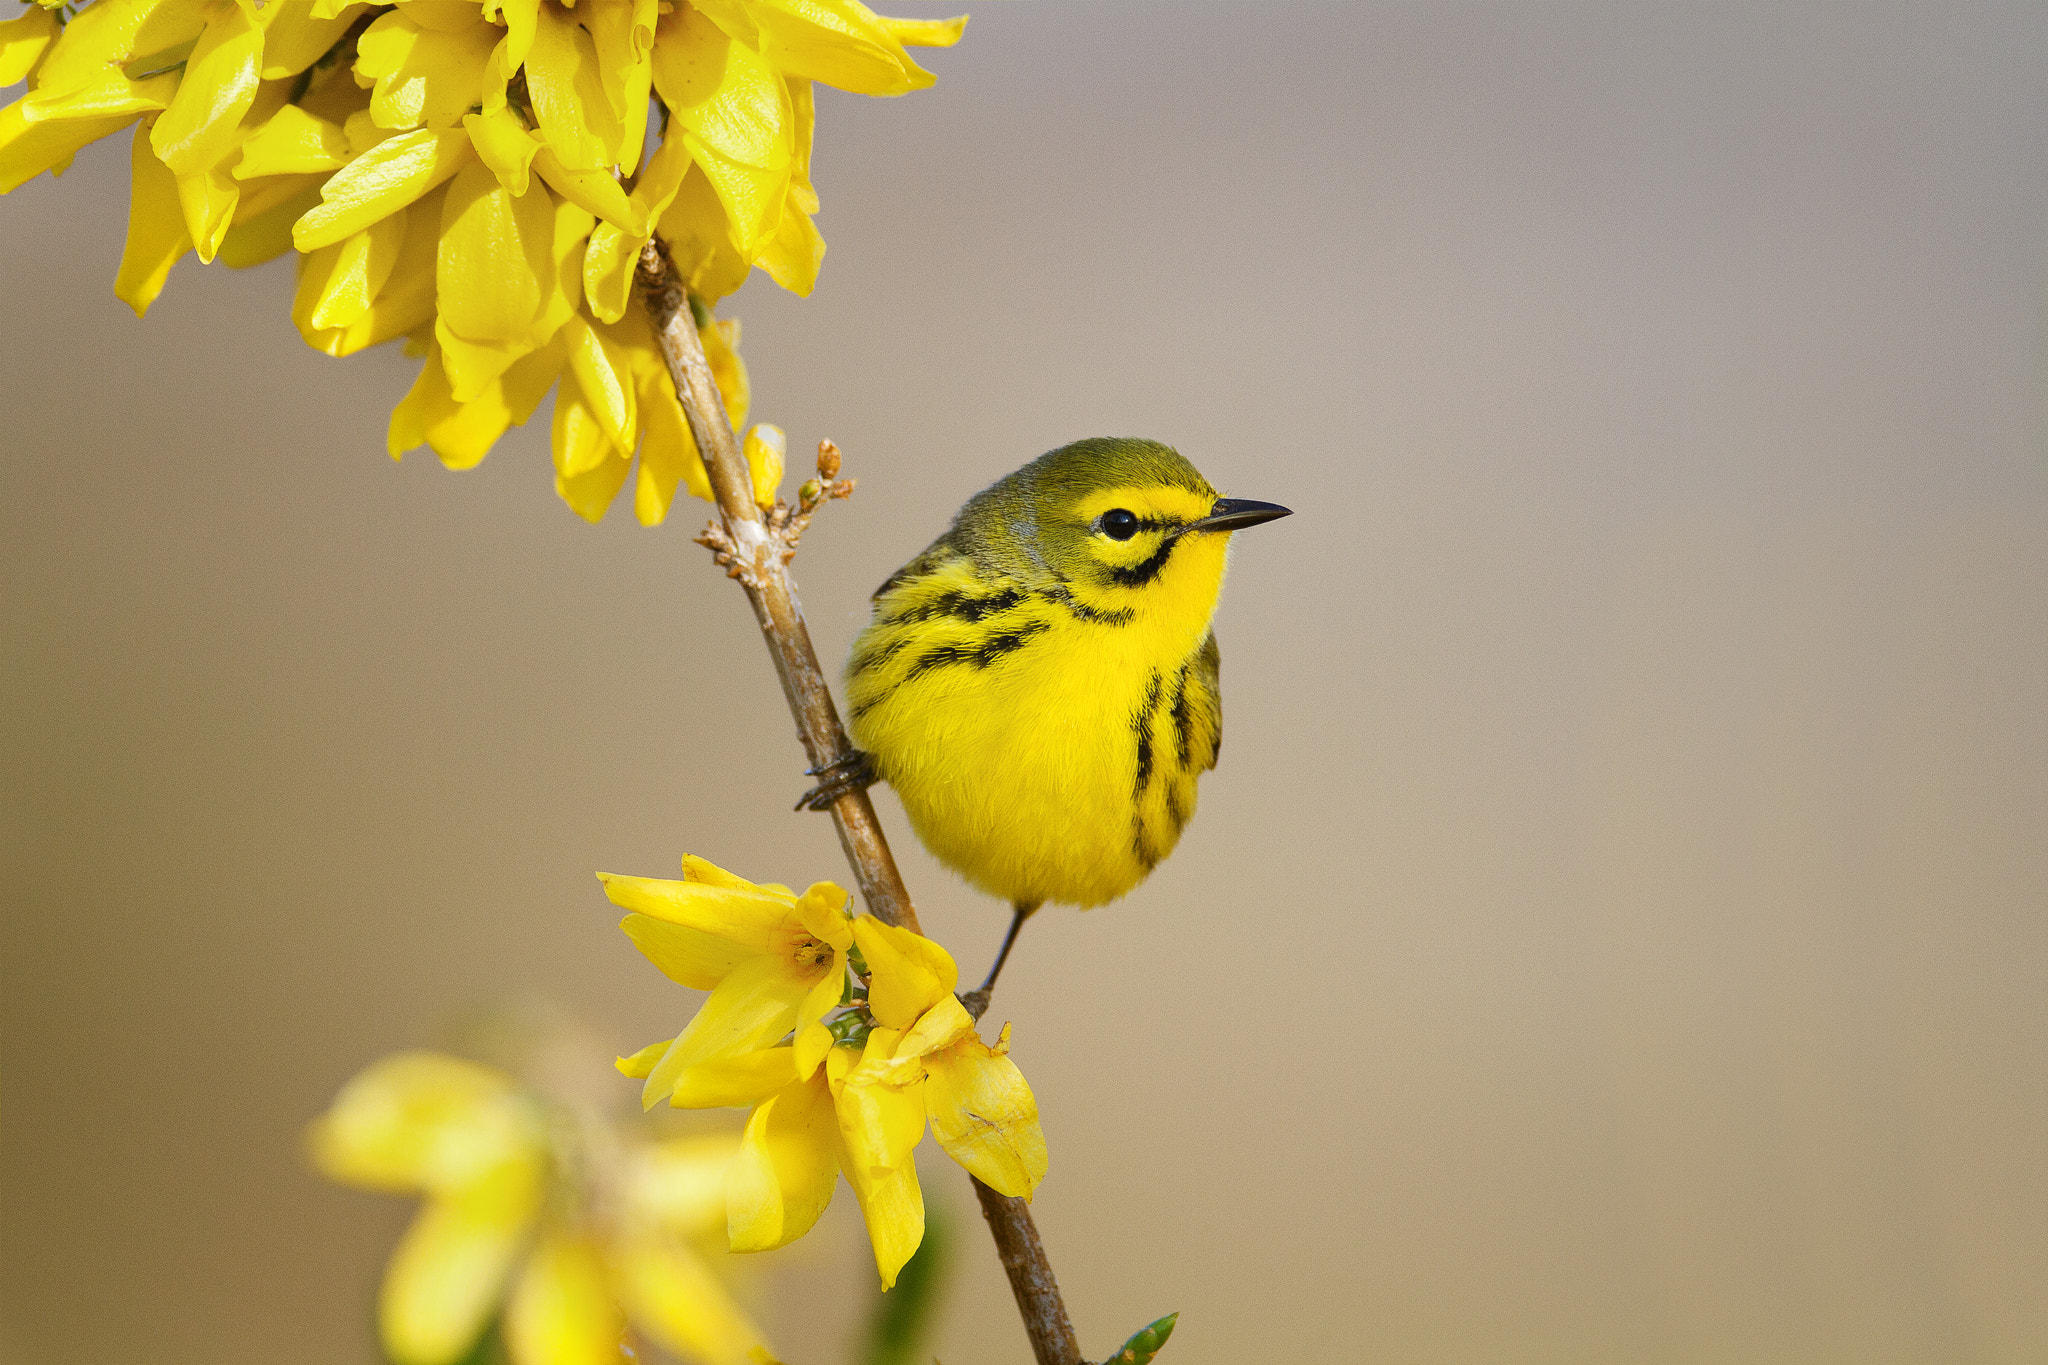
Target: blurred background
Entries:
(1616, 930)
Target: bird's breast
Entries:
(1042, 755)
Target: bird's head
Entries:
(1127, 526)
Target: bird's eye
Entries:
(1119, 524)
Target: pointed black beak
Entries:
(1234, 514)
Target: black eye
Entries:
(1118, 524)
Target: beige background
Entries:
(1616, 931)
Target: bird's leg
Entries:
(855, 772)
(977, 999)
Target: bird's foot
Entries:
(855, 772)
(975, 1002)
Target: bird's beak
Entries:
(1234, 514)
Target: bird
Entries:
(1042, 686)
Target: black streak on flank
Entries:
(960, 606)
(1180, 718)
(1141, 721)
(1061, 594)
(1138, 575)
(980, 655)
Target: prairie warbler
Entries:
(1041, 685)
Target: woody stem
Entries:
(765, 576)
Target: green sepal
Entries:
(1145, 1342)
(851, 1029)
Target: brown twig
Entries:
(756, 550)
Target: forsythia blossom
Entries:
(567, 1237)
(477, 176)
(842, 1072)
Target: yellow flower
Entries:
(850, 1097)
(513, 1224)
(475, 176)
(773, 961)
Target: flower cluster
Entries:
(477, 176)
(843, 1068)
(564, 1235)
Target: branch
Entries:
(758, 561)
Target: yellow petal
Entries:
(925, 32)
(700, 240)
(751, 1008)
(448, 1274)
(818, 1002)
(423, 76)
(590, 493)
(642, 1062)
(941, 1026)
(672, 1296)
(738, 911)
(463, 432)
(405, 302)
(443, 16)
(839, 42)
(381, 181)
(362, 131)
(609, 266)
(505, 146)
(421, 1120)
(596, 191)
(495, 257)
(623, 36)
(704, 872)
(765, 449)
(668, 452)
(786, 1169)
(38, 135)
(104, 35)
(604, 375)
(984, 1115)
(23, 40)
(292, 141)
(661, 1079)
(826, 912)
(562, 1311)
(678, 1185)
(910, 973)
(294, 38)
(796, 251)
(687, 956)
(363, 264)
(207, 199)
(566, 85)
(889, 1197)
(740, 1081)
(614, 254)
(521, 17)
(198, 131)
(253, 239)
(813, 1041)
(722, 91)
(880, 1106)
(157, 239)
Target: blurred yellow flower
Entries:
(476, 176)
(570, 1237)
(853, 1095)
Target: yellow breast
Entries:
(1045, 747)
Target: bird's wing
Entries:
(1208, 698)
